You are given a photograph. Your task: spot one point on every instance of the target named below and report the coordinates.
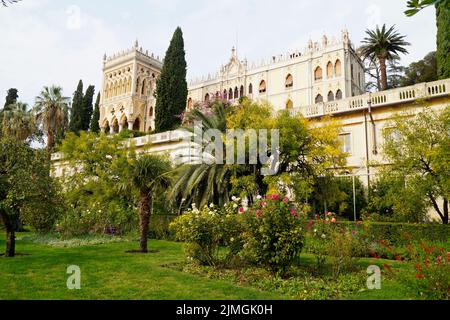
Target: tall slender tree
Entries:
(11, 97)
(171, 89)
(443, 39)
(383, 44)
(87, 108)
(76, 112)
(95, 127)
(49, 112)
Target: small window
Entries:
(236, 93)
(329, 70)
(338, 94)
(241, 91)
(337, 68)
(319, 99)
(262, 87)
(330, 96)
(289, 83)
(225, 96)
(250, 89)
(345, 140)
(207, 97)
(318, 74)
(151, 112)
(230, 94)
(190, 103)
(289, 104)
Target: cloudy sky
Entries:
(44, 42)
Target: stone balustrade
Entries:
(377, 99)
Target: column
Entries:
(130, 125)
(111, 129)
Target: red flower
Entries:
(268, 196)
(419, 276)
(285, 200)
(258, 213)
(294, 213)
(263, 203)
(275, 197)
(398, 257)
(241, 210)
(309, 225)
(418, 267)
(333, 220)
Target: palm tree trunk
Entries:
(384, 82)
(50, 142)
(144, 219)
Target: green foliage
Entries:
(205, 230)
(417, 149)
(383, 45)
(50, 113)
(18, 122)
(95, 127)
(76, 111)
(273, 235)
(27, 192)
(87, 108)
(414, 6)
(93, 187)
(11, 97)
(424, 70)
(443, 39)
(171, 87)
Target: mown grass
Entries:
(109, 272)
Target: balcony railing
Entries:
(389, 97)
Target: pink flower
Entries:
(309, 225)
(268, 196)
(294, 213)
(241, 210)
(275, 197)
(258, 213)
(263, 203)
(333, 220)
(285, 200)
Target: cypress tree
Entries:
(87, 108)
(95, 127)
(171, 88)
(76, 114)
(443, 39)
(11, 97)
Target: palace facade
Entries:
(325, 71)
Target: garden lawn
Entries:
(108, 272)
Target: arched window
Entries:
(225, 96)
(190, 104)
(289, 83)
(230, 94)
(289, 104)
(150, 114)
(236, 93)
(241, 92)
(207, 97)
(138, 84)
(250, 89)
(337, 68)
(319, 98)
(330, 96)
(144, 87)
(262, 87)
(217, 95)
(129, 84)
(318, 74)
(124, 86)
(329, 70)
(115, 126)
(115, 89)
(339, 94)
(107, 128)
(137, 125)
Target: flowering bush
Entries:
(205, 230)
(273, 235)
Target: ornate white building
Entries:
(326, 71)
(129, 82)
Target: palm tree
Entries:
(50, 112)
(383, 45)
(197, 181)
(18, 122)
(150, 174)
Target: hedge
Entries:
(402, 233)
(159, 226)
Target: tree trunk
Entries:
(10, 242)
(384, 82)
(144, 219)
(445, 218)
(50, 142)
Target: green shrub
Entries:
(159, 227)
(400, 233)
(273, 235)
(205, 230)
